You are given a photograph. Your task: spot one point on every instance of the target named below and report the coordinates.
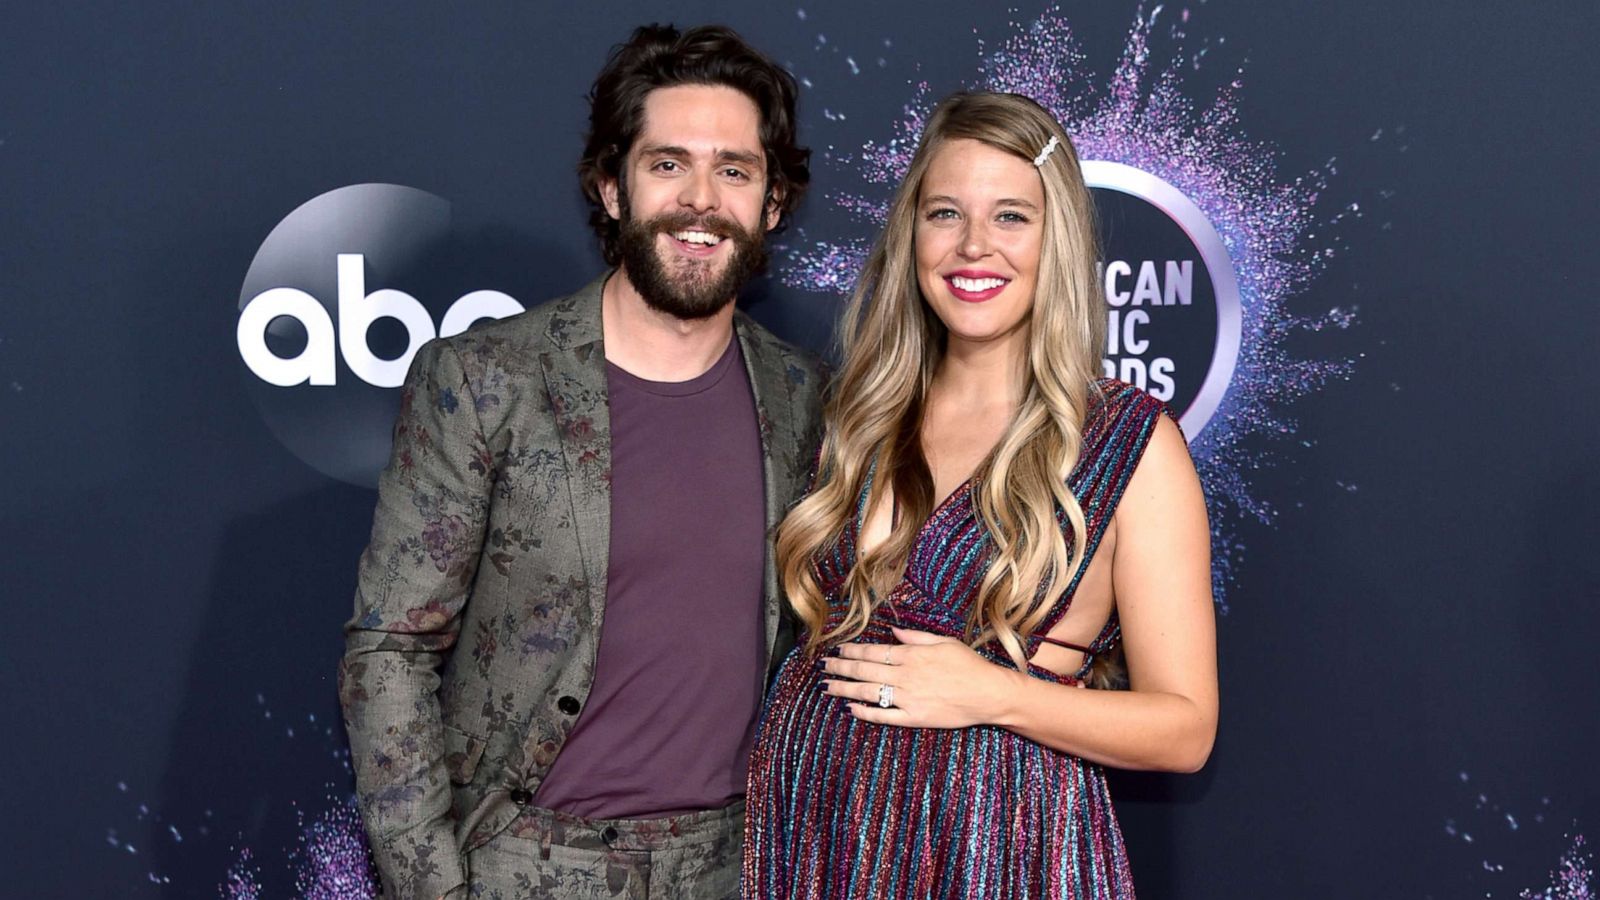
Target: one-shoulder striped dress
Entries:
(841, 808)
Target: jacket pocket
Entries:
(462, 751)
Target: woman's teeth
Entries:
(976, 285)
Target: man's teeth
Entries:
(976, 285)
(698, 237)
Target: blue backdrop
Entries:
(1400, 452)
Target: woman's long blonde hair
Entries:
(892, 344)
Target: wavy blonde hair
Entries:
(892, 344)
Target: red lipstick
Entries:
(977, 285)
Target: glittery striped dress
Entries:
(840, 808)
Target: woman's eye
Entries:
(1014, 218)
(941, 213)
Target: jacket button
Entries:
(568, 705)
(609, 835)
(521, 796)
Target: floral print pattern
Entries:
(481, 593)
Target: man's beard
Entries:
(688, 288)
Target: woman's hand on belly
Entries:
(935, 681)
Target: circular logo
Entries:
(337, 301)
(1172, 299)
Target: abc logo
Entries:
(1173, 319)
(357, 311)
(325, 329)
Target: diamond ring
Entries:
(885, 695)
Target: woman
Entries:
(990, 519)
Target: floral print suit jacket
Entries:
(482, 592)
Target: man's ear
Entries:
(608, 196)
(774, 207)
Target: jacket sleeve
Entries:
(413, 583)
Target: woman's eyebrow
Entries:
(1003, 201)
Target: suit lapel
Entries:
(575, 383)
(772, 387)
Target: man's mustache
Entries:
(687, 221)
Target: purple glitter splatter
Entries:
(1274, 236)
(333, 860)
(827, 267)
(330, 859)
(243, 881)
(1573, 878)
(1495, 830)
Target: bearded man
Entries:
(568, 612)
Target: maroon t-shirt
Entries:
(678, 679)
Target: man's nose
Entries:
(699, 192)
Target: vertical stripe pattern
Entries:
(842, 808)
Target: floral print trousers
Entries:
(548, 854)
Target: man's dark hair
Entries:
(658, 56)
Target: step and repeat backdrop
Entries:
(1349, 243)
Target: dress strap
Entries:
(1115, 436)
(1067, 644)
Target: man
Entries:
(568, 610)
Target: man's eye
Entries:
(735, 174)
(666, 165)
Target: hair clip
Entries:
(1045, 153)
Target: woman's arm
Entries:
(1161, 575)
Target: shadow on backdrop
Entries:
(1147, 806)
